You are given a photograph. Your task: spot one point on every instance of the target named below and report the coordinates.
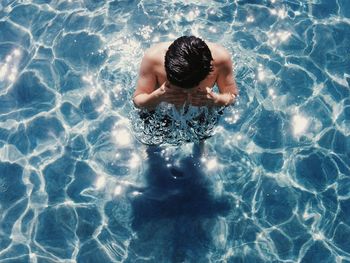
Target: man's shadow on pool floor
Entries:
(177, 211)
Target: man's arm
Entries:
(145, 95)
(225, 81)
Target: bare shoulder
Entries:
(220, 55)
(155, 54)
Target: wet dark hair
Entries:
(187, 61)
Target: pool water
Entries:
(76, 184)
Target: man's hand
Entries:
(207, 97)
(203, 97)
(176, 97)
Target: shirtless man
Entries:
(185, 71)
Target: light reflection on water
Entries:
(300, 124)
(9, 67)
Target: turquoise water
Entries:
(77, 185)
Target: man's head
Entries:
(187, 62)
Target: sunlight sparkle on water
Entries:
(281, 13)
(192, 15)
(300, 124)
(136, 193)
(122, 137)
(212, 29)
(118, 190)
(261, 73)
(9, 68)
(212, 164)
(146, 32)
(283, 35)
(177, 17)
(100, 182)
(3, 71)
(278, 37)
(317, 236)
(105, 104)
(134, 161)
(88, 79)
(118, 88)
(212, 11)
(12, 77)
(16, 52)
(250, 19)
(272, 93)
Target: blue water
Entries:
(77, 185)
